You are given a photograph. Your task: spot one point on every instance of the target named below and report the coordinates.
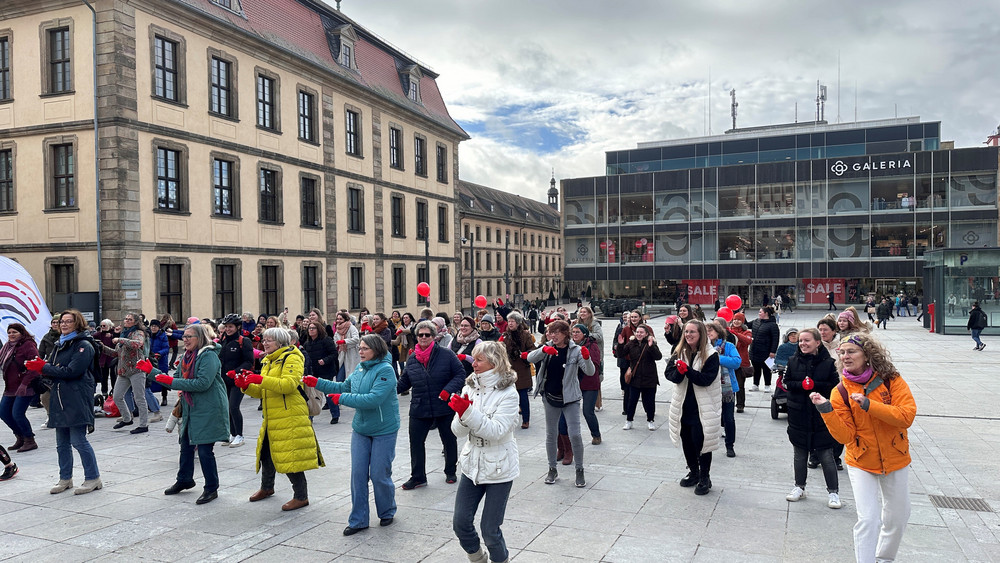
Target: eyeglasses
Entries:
(66, 322)
(425, 335)
(188, 336)
(363, 347)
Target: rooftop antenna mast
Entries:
(820, 102)
(338, 5)
(734, 105)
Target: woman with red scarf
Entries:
(204, 416)
(17, 394)
(430, 370)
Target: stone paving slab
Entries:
(631, 510)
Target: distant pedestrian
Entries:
(829, 299)
(977, 322)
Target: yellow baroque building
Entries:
(247, 155)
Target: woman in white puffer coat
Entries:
(487, 416)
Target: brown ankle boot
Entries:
(568, 459)
(560, 448)
(18, 443)
(29, 444)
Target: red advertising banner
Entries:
(650, 253)
(817, 289)
(702, 292)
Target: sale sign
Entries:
(817, 289)
(702, 292)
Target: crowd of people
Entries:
(472, 378)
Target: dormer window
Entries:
(342, 40)
(231, 5)
(409, 78)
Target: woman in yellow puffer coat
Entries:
(287, 443)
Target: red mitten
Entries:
(246, 333)
(309, 381)
(502, 336)
(241, 382)
(444, 395)
(144, 366)
(462, 357)
(459, 404)
(399, 331)
(335, 397)
(177, 363)
(365, 327)
(585, 353)
(231, 374)
(164, 379)
(682, 367)
(340, 343)
(550, 350)
(256, 338)
(35, 365)
(524, 355)
(254, 378)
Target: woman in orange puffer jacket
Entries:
(869, 413)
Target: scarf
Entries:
(67, 337)
(472, 337)
(127, 331)
(423, 354)
(7, 352)
(187, 362)
(859, 379)
(347, 326)
(380, 327)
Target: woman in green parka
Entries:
(204, 409)
(287, 443)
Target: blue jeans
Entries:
(524, 404)
(467, 502)
(975, 336)
(371, 457)
(75, 436)
(335, 408)
(12, 411)
(209, 469)
(589, 402)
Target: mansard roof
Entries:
(505, 208)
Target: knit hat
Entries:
(583, 328)
(845, 315)
(193, 321)
(740, 317)
(488, 319)
(155, 323)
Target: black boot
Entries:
(704, 484)
(690, 479)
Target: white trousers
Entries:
(883, 505)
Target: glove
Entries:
(231, 374)
(524, 355)
(585, 353)
(164, 379)
(177, 363)
(254, 378)
(550, 350)
(459, 404)
(399, 331)
(144, 366)
(502, 336)
(444, 395)
(256, 338)
(335, 397)
(310, 381)
(35, 365)
(682, 367)
(241, 382)
(340, 343)
(462, 357)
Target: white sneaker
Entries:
(767, 388)
(155, 417)
(755, 388)
(650, 425)
(834, 501)
(236, 442)
(628, 425)
(797, 494)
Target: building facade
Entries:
(247, 153)
(802, 209)
(511, 245)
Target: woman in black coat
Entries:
(71, 410)
(806, 430)
(322, 355)
(429, 370)
(641, 352)
(235, 354)
(766, 337)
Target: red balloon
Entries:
(424, 289)
(807, 383)
(481, 301)
(725, 313)
(734, 302)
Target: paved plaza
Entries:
(632, 508)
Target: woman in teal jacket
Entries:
(204, 407)
(371, 390)
(729, 362)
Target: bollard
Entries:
(930, 311)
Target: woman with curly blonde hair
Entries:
(869, 412)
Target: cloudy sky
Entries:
(542, 85)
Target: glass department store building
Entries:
(802, 209)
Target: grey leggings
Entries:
(572, 413)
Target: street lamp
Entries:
(472, 263)
(427, 255)
(506, 273)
